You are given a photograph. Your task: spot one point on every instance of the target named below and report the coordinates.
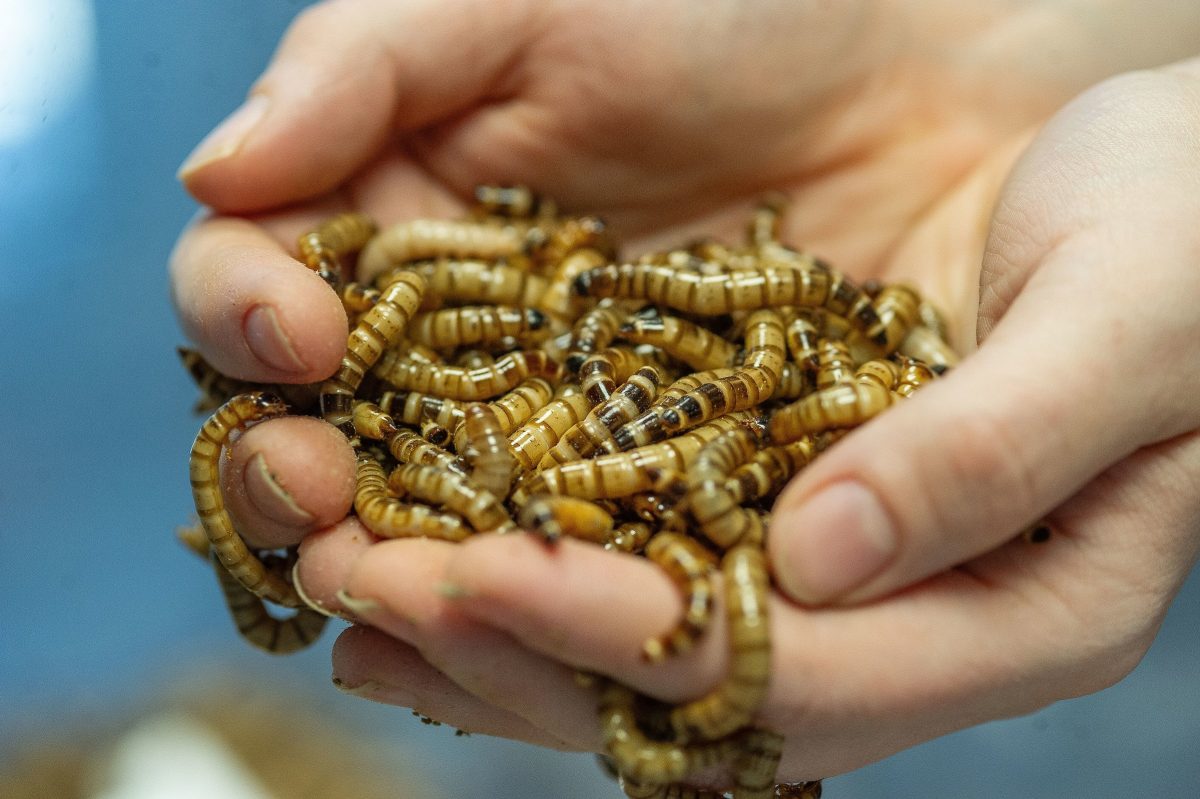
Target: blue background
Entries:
(101, 606)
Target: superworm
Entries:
(419, 239)
(227, 545)
(532, 440)
(323, 249)
(477, 282)
(601, 373)
(596, 429)
(553, 517)
(710, 502)
(641, 759)
(388, 517)
(592, 331)
(473, 325)
(482, 509)
(733, 703)
(458, 383)
(487, 451)
(379, 329)
(690, 566)
(679, 338)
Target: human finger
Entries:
(1061, 387)
(346, 76)
(254, 312)
(398, 587)
(373, 665)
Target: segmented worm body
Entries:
(714, 507)
(553, 517)
(379, 329)
(482, 509)
(690, 566)
(593, 331)
(641, 759)
(478, 282)
(323, 249)
(420, 239)
(388, 517)
(679, 338)
(215, 388)
(734, 702)
(227, 545)
(533, 440)
(601, 373)
(458, 383)
(596, 429)
(487, 450)
(473, 325)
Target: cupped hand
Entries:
(892, 147)
(909, 606)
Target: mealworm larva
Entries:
(769, 470)
(733, 703)
(754, 766)
(748, 386)
(559, 300)
(533, 439)
(474, 359)
(592, 332)
(842, 405)
(487, 450)
(482, 509)
(624, 473)
(371, 421)
(641, 759)
(215, 388)
(204, 468)
(388, 517)
(798, 790)
(250, 616)
(408, 447)
(925, 344)
(690, 566)
(357, 298)
(478, 324)
(322, 249)
(885, 374)
(792, 280)
(379, 329)
(601, 373)
(434, 433)
(553, 517)
(419, 239)
(458, 383)
(632, 397)
(414, 407)
(898, 309)
(258, 627)
(478, 282)
(834, 363)
(512, 409)
(517, 202)
(629, 537)
(679, 338)
(802, 329)
(711, 504)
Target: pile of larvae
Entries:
(507, 373)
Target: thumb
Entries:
(961, 467)
(347, 75)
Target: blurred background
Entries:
(113, 632)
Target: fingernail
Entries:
(269, 498)
(365, 688)
(313, 603)
(357, 606)
(227, 138)
(268, 342)
(832, 543)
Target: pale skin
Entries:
(914, 142)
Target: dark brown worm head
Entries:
(597, 282)
(268, 404)
(535, 318)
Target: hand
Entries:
(1080, 404)
(852, 141)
